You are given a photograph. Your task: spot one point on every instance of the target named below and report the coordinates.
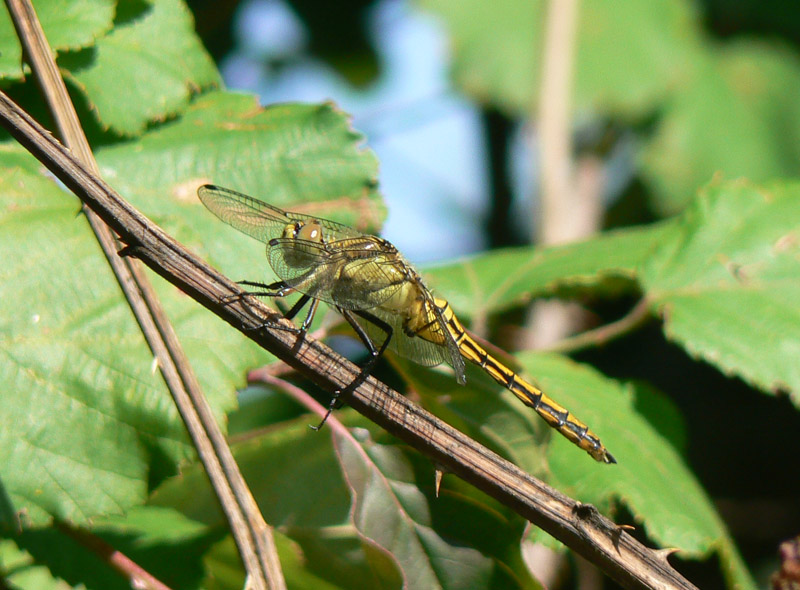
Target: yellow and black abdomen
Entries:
(553, 413)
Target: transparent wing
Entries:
(308, 267)
(354, 273)
(258, 220)
(445, 332)
(261, 220)
(412, 348)
(441, 348)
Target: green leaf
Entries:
(67, 24)
(483, 410)
(366, 520)
(286, 155)
(495, 281)
(223, 565)
(161, 541)
(737, 117)
(660, 412)
(729, 279)
(146, 69)
(650, 477)
(152, 526)
(19, 570)
(493, 529)
(340, 556)
(391, 512)
(394, 493)
(497, 49)
(647, 469)
(270, 463)
(84, 409)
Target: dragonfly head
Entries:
(308, 231)
(306, 235)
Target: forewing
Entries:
(333, 231)
(251, 216)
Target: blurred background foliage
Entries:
(667, 95)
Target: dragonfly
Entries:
(380, 295)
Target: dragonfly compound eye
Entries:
(310, 232)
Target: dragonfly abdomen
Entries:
(561, 419)
(554, 414)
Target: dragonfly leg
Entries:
(289, 315)
(312, 310)
(277, 289)
(375, 355)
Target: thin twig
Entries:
(565, 213)
(253, 537)
(636, 317)
(133, 572)
(569, 206)
(559, 211)
(578, 526)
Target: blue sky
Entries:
(427, 137)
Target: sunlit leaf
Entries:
(88, 411)
(67, 24)
(84, 408)
(727, 282)
(650, 477)
(146, 69)
(494, 281)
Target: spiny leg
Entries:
(312, 310)
(375, 355)
(278, 290)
